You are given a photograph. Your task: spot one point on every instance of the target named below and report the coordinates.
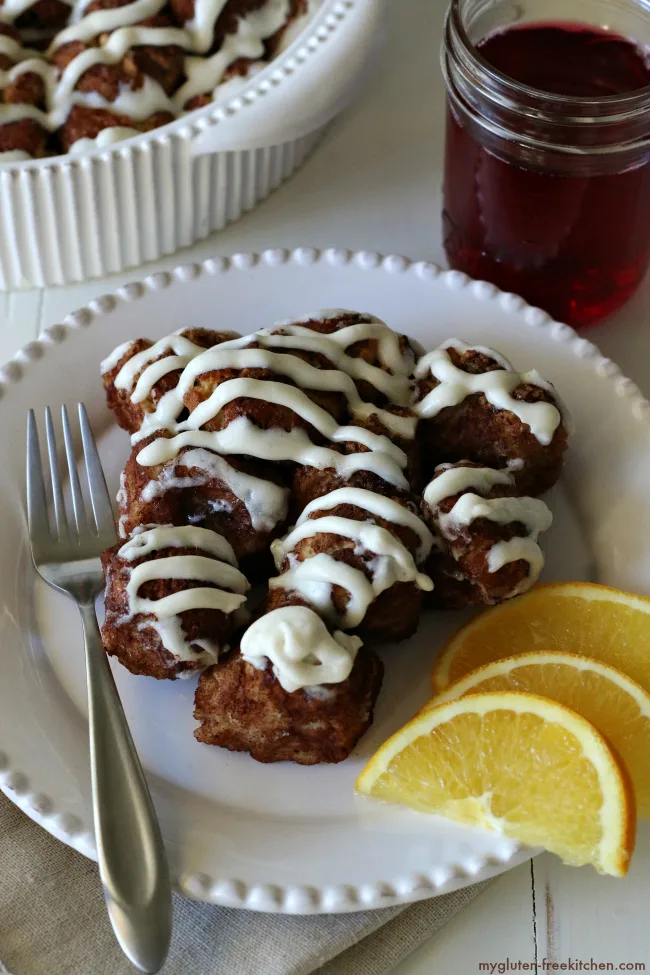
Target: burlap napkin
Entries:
(53, 922)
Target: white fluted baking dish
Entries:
(68, 218)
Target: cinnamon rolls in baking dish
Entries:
(77, 74)
(356, 477)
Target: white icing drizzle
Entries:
(119, 32)
(16, 113)
(535, 379)
(15, 50)
(375, 504)
(138, 103)
(121, 500)
(205, 74)
(11, 47)
(296, 27)
(201, 27)
(141, 528)
(141, 103)
(234, 84)
(368, 536)
(497, 387)
(163, 417)
(14, 155)
(60, 88)
(283, 394)
(112, 360)
(388, 344)
(399, 426)
(169, 536)
(78, 11)
(296, 400)
(178, 344)
(313, 578)
(220, 569)
(515, 550)
(265, 502)
(340, 378)
(530, 512)
(34, 64)
(463, 348)
(455, 479)
(234, 354)
(120, 497)
(106, 138)
(244, 438)
(371, 327)
(85, 27)
(301, 650)
(155, 364)
(155, 372)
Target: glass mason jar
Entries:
(548, 194)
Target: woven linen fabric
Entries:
(53, 922)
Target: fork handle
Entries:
(130, 852)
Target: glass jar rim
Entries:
(616, 105)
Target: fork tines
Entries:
(101, 528)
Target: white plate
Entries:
(285, 838)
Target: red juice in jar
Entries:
(569, 232)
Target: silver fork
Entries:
(132, 862)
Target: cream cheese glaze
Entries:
(497, 386)
(179, 345)
(153, 364)
(378, 505)
(241, 437)
(281, 394)
(301, 650)
(515, 550)
(233, 354)
(314, 577)
(454, 479)
(532, 513)
(106, 138)
(265, 501)
(220, 570)
(381, 456)
(339, 379)
(119, 32)
(205, 74)
(371, 327)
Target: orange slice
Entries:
(517, 763)
(614, 704)
(573, 617)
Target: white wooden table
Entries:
(375, 185)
